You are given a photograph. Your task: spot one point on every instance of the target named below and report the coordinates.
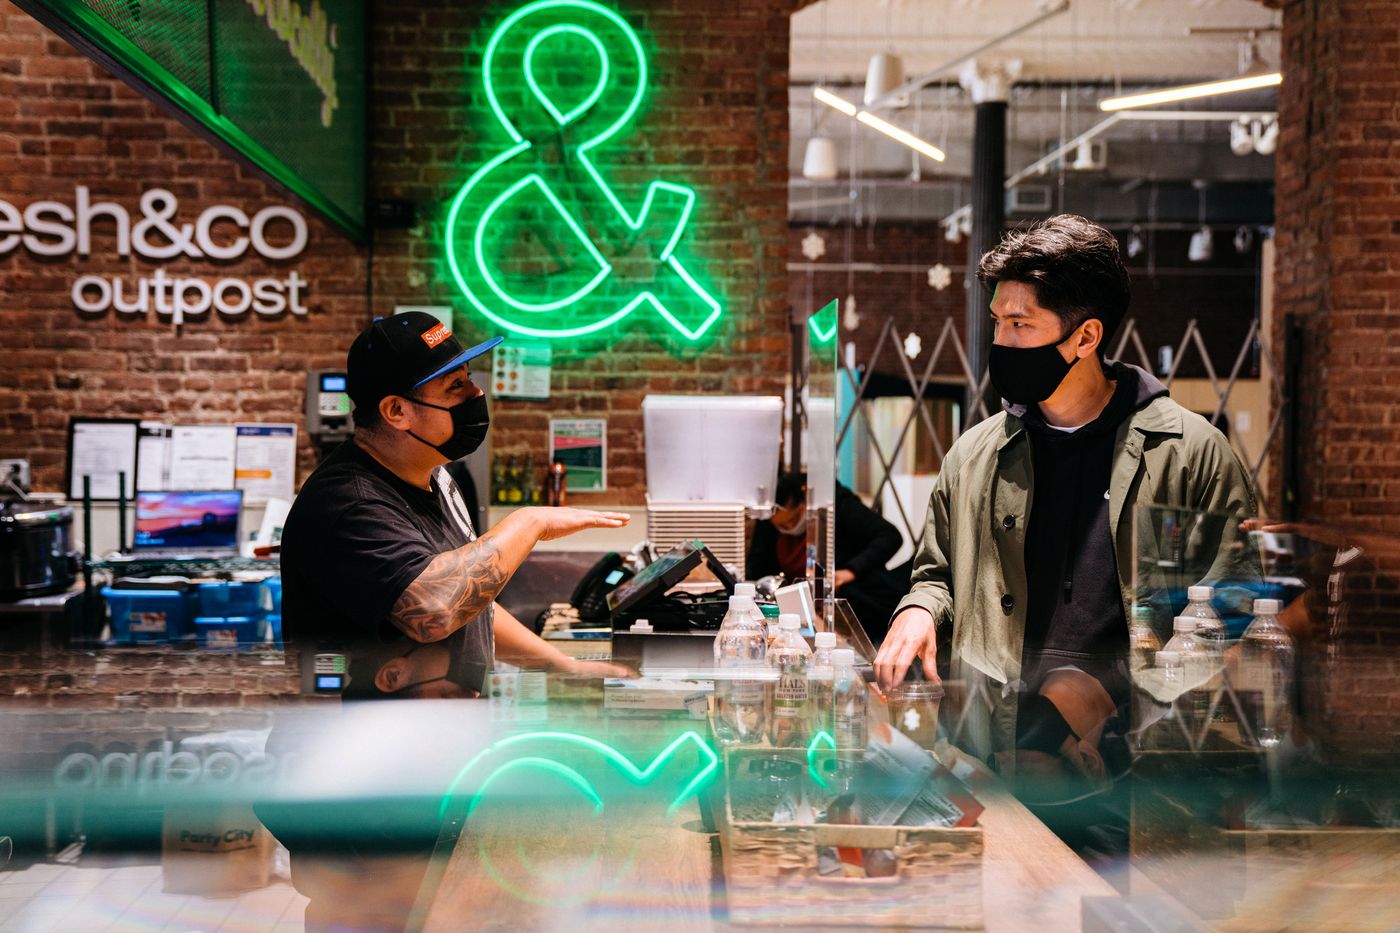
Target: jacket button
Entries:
(1009, 522)
(1007, 602)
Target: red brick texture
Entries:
(64, 122)
(715, 118)
(1338, 212)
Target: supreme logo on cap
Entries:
(436, 336)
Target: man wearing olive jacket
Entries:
(1028, 547)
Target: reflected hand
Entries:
(560, 522)
(575, 667)
(912, 635)
(841, 578)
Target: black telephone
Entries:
(590, 597)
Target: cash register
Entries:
(681, 625)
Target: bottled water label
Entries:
(790, 695)
(850, 729)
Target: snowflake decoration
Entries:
(813, 246)
(940, 277)
(850, 318)
(911, 720)
(913, 346)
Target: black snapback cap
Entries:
(395, 355)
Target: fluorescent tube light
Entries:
(899, 135)
(831, 100)
(1192, 91)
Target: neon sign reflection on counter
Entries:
(551, 140)
(536, 749)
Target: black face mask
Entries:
(469, 426)
(1027, 375)
(462, 671)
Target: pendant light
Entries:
(884, 73)
(819, 160)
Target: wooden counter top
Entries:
(527, 868)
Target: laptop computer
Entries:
(188, 525)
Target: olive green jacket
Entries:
(970, 570)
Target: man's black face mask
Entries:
(470, 423)
(1028, 375)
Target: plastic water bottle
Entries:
(740, 649)
(1169, 663)
(770, 627)
(1210, 632)
(1266, 674)
(1143, 643)
(1196, 668)
(850, 698)
(789, 658)
(1209, 629)
(820, 677)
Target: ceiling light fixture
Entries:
(832, 100)
(882, 76)
(883, 126)
(819, 160)
(1255, 73)
(1191, 92)
(1202, 245)
(1240, 142)
(1135, 242)
(901, 136)
(1264, 136)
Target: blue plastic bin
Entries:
(274, 590)
(227, 633)
(146, 616)
(274, 626)
(232, 598)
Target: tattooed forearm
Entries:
(451, 591)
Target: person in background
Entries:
(864, 544)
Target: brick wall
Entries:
(64, 122)
(1338, 213)
(1339, 252)
(716, 118)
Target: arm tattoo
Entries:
(450, 591)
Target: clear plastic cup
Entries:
(914, 710)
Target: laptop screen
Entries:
(201, 519)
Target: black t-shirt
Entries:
(1075, 613)
(356, 537)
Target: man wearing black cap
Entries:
(379, 554)
(381, 565)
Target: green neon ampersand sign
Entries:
(538, 241)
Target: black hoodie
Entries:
(1075, 610)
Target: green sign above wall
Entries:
(540, 239)
(282, 82)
